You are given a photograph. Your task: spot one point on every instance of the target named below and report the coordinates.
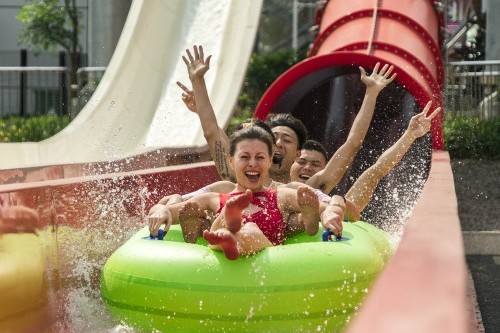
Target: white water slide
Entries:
(137, 106)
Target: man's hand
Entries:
(378, 80)
(420, 123)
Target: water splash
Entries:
(90, 221)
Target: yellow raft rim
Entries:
(22, 281)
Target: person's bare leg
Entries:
(224, 240)
(251, 239)
(233, 211)
(309, 209)
(248, 237)
(248, 240)
(294, 225)
(189, 219)
(237, 238)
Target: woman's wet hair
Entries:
(255, 122)
(286, 119)
(315, 146)
(251, 133)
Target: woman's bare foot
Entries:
(234, 210)
(225, 240)
(189, 219)
(309, 209)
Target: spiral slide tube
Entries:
(361, 33)
(325, 92)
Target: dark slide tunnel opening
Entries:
(328, 100)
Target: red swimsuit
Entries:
(268, 219)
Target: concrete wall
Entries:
(10, 27)
(492, 10)
(106, 20)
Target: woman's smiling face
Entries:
(251, 163)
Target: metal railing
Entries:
(33, 91)
(88, 79)
(29, 91)
(472, 88)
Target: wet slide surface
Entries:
(91, 184)
(137, 107)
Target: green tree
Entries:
(47, 25)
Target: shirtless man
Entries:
(358, 195)
(266, 211)
(289, 132)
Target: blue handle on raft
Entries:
(161, 234)
(327, 237)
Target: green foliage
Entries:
(262, 71)
(34, 129)
(45, 26)
(476, 138)
(238, 119)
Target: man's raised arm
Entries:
(328, 178)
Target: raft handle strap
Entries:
(161, 234)
(327, 237)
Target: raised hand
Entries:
(188, 98)
(378, 80)
(197, 66)
(420, 123)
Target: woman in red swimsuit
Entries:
(251, 217)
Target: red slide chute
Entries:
(362, 32)
(325, 92)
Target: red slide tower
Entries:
(325, 92)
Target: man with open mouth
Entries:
(289, 132)
(312, 159)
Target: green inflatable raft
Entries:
(306, 285)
